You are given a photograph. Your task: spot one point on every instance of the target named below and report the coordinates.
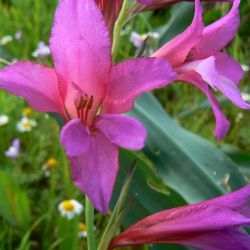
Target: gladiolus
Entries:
(89, 93)
(211, 225)
(196, 56)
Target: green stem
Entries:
(89, 218)
(4, 61)
(118, 27)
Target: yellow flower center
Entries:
(51, 162)
(27, 124)
(82, 227)
(68, 206)
(27, 111)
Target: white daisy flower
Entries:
(42, 51)
(49, 166)
(70, 208)
(26, 124)
(6, 39)
(4, 119)
(82, 230)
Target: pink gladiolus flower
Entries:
(156, 4)
(110, 10)
(197, 59)
(211, 225)
(89, 93)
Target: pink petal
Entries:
(35, 83)
(75, 138)
(94, 173)
(131, 78)
(207, 225)
(176, 51)
(228, 67)
(123, 131)
(214, 76)
(230, 239)
(218, 34)
(238, 201)
(222, 124)
(174, 225)
(81, 50)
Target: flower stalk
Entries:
(118, 27)
(89, 218)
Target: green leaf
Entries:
(185, 162)
(148, 192)
(147, 198)
(14, 205)
(240, 157)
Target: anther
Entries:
(90, 103)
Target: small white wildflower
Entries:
(245, 67)
(4, 119)
(13, 151)
(26, 124)
(154, 35)
(239, 117)
(70, 208)
(49, 165)
(42, 51)
(18, 35)
(246, 97)
(138, 39)
(6, 39)
(14, 60)
(82, 230)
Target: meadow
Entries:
(33, 184)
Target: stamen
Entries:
(90, 103)
(83, 105)
(89, 106)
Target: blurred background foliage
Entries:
(176, 167)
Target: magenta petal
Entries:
(175, 225)
(238, 201)
(218, 34)
(228, 67)
(131, 78)
(35, 83)
(95, 172)
(75, 138)
(214, 76)
(230, 239)
(81, 50)
(123, 131)
(222, 124)
(176, 51)
(188, 219)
